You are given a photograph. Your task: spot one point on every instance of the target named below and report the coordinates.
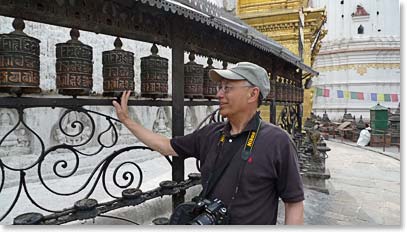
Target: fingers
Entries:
(125, 99)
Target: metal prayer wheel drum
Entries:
(74, 67)
(278, 89)
(118, 70)
(290, 91)
(193, 74)
(154, 75)
(285, 89)
(19, 61)
(272, 93)
(209, 86)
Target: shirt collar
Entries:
(251, 125)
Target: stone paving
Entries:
(364, 189)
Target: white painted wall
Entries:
(343, 46)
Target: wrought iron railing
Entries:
(86, 207)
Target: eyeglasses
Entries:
(228, 88)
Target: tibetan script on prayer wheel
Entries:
(193, 74)
(209, 86)
(74, 67)
(154, 75)
(19, 61)
(118, 70)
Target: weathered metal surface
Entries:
(118, 70)
(193, 72)
(19, 61)
(29, 102)
(28, 219)
(74, 66)
(154, 75)
(272, 94)
(178, 80)
(279, 89)
(209, 86)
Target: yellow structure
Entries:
(292, 24)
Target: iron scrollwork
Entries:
(75, 122)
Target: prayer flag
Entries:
(340, 93)
(360, 96)
(347, 94)
(380, 97)
(387, 97)
(319, 92)
(326, 92)
(373, 96)
(353, 95)
(394, 98)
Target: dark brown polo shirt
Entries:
(270, 173)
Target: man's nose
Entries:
(220, 93)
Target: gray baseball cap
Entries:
(253, 73)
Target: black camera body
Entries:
(210, 212)
(200, 212)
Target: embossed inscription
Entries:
(17, 77)
(118, 84)
(12, 43)
(122, 71)
(193, 83)
(72, 80)
(19, 61)
(122, 57)
(154, 75)
(77, 66)
(74, 51)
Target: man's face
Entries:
(233, 96)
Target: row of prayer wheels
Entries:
(20, 70)
(285, 90)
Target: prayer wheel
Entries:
(279, 89)
(209, 86)
(193, 74)
(271, 95)
(118, 70)
(74, 67)
(154, 75)
(19, 61)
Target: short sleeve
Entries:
(186, 146)
(289, 184)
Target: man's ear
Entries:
(254, 94)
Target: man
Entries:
(364, 136)
(262, 160)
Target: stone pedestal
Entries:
(316, 180)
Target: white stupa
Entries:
(359, 61)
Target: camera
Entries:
(210, 212)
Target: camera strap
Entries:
(214, 176)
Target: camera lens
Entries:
(203, 219)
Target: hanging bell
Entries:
(74, 66)
(209, 86)
(118, 70)
(154, 75)
(193, 74)
(19, 61)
